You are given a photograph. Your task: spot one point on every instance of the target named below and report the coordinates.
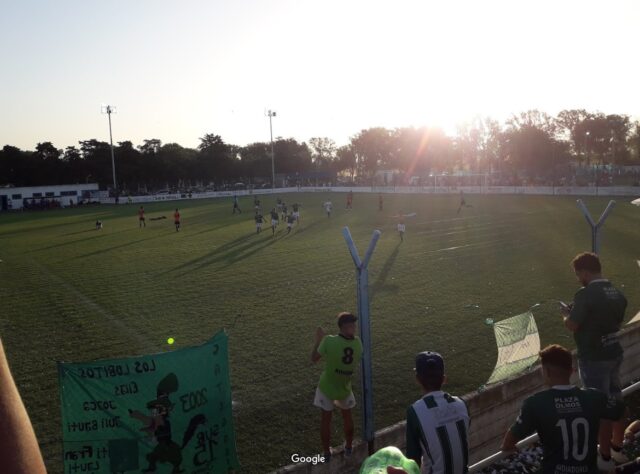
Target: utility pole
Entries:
(108, 109)
(271, 114)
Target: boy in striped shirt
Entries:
(438, 423)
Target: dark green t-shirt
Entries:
(598, 309)
(567, 421)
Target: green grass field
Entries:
(71, 293)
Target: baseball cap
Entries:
(344, 318)
(429, 363)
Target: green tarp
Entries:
(518, 346)
(169, 411)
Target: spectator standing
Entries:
(595, 318)
(342, 354)
(437, 423)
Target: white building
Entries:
(65, 194)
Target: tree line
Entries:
(532, 143)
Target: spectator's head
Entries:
(557, 365)
(586, 267)
(347, 324)
(430, 371)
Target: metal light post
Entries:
(271, 114)
(108, 109)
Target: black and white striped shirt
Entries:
(437, 428)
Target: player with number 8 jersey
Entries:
(342, 354)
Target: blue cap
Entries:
(429, 364)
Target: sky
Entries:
(177, 70)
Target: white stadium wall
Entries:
(64, 193)
(529, 190)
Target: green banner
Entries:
(518, 346)
(162, 413)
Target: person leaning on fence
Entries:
(342, 354)
(438, 423)
(595, 318)
(566, 418)
(19, 451)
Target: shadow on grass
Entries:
(234, 255)
(109, 249)
(70, 242)
(300, 228)
(213, 254)
(381, 282)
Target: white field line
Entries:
(99, 311)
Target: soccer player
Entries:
(463, 203)
(327, 207)
(296, 210)
(290, 221)
(350, 200)
(236, 206)
(401, 226)
(283, 209)
(256, 203)
(98, 224)
(274, 220)
(176, 220)
(259, 220)
(379, 202)
(566, 418)
(141, 222)
(341, 354)
(438, 423)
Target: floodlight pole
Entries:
(362, 280)
(108, 111)
(271, 114)
(595, 226)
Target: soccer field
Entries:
(72, 293)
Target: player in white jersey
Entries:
(327, 207)
(438, 423)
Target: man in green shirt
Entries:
(342, 354)
(566, 418)
(595, 318)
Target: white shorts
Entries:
(258, 225)
(325, 403)
(296, 214)
(400, 227)
(274, 222)
(289, 224)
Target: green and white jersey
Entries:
(599, 309)
(437, 434)
(567, 419)
(341, 356)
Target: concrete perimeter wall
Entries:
(535, 190)
(492, 412)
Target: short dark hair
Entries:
(557, 356)
(431, 382)
(587, 261)
(346, 317)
